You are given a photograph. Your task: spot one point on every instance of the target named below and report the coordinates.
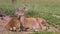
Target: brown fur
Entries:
(14, 22)
(43, 23)
(34, 24)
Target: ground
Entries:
(37, 8)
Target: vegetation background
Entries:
(37, 9)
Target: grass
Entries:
(37, 8)
(44, 32)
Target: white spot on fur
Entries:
(44, 28)
(10, 28)
(14, 28)
(36, 27)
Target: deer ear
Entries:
(25, 8)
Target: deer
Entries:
(27, 22)
(20, 23)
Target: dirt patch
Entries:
(9, 32)
(53, 29)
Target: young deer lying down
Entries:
(20, 13)
(33, 24)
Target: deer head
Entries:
(21, 11)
